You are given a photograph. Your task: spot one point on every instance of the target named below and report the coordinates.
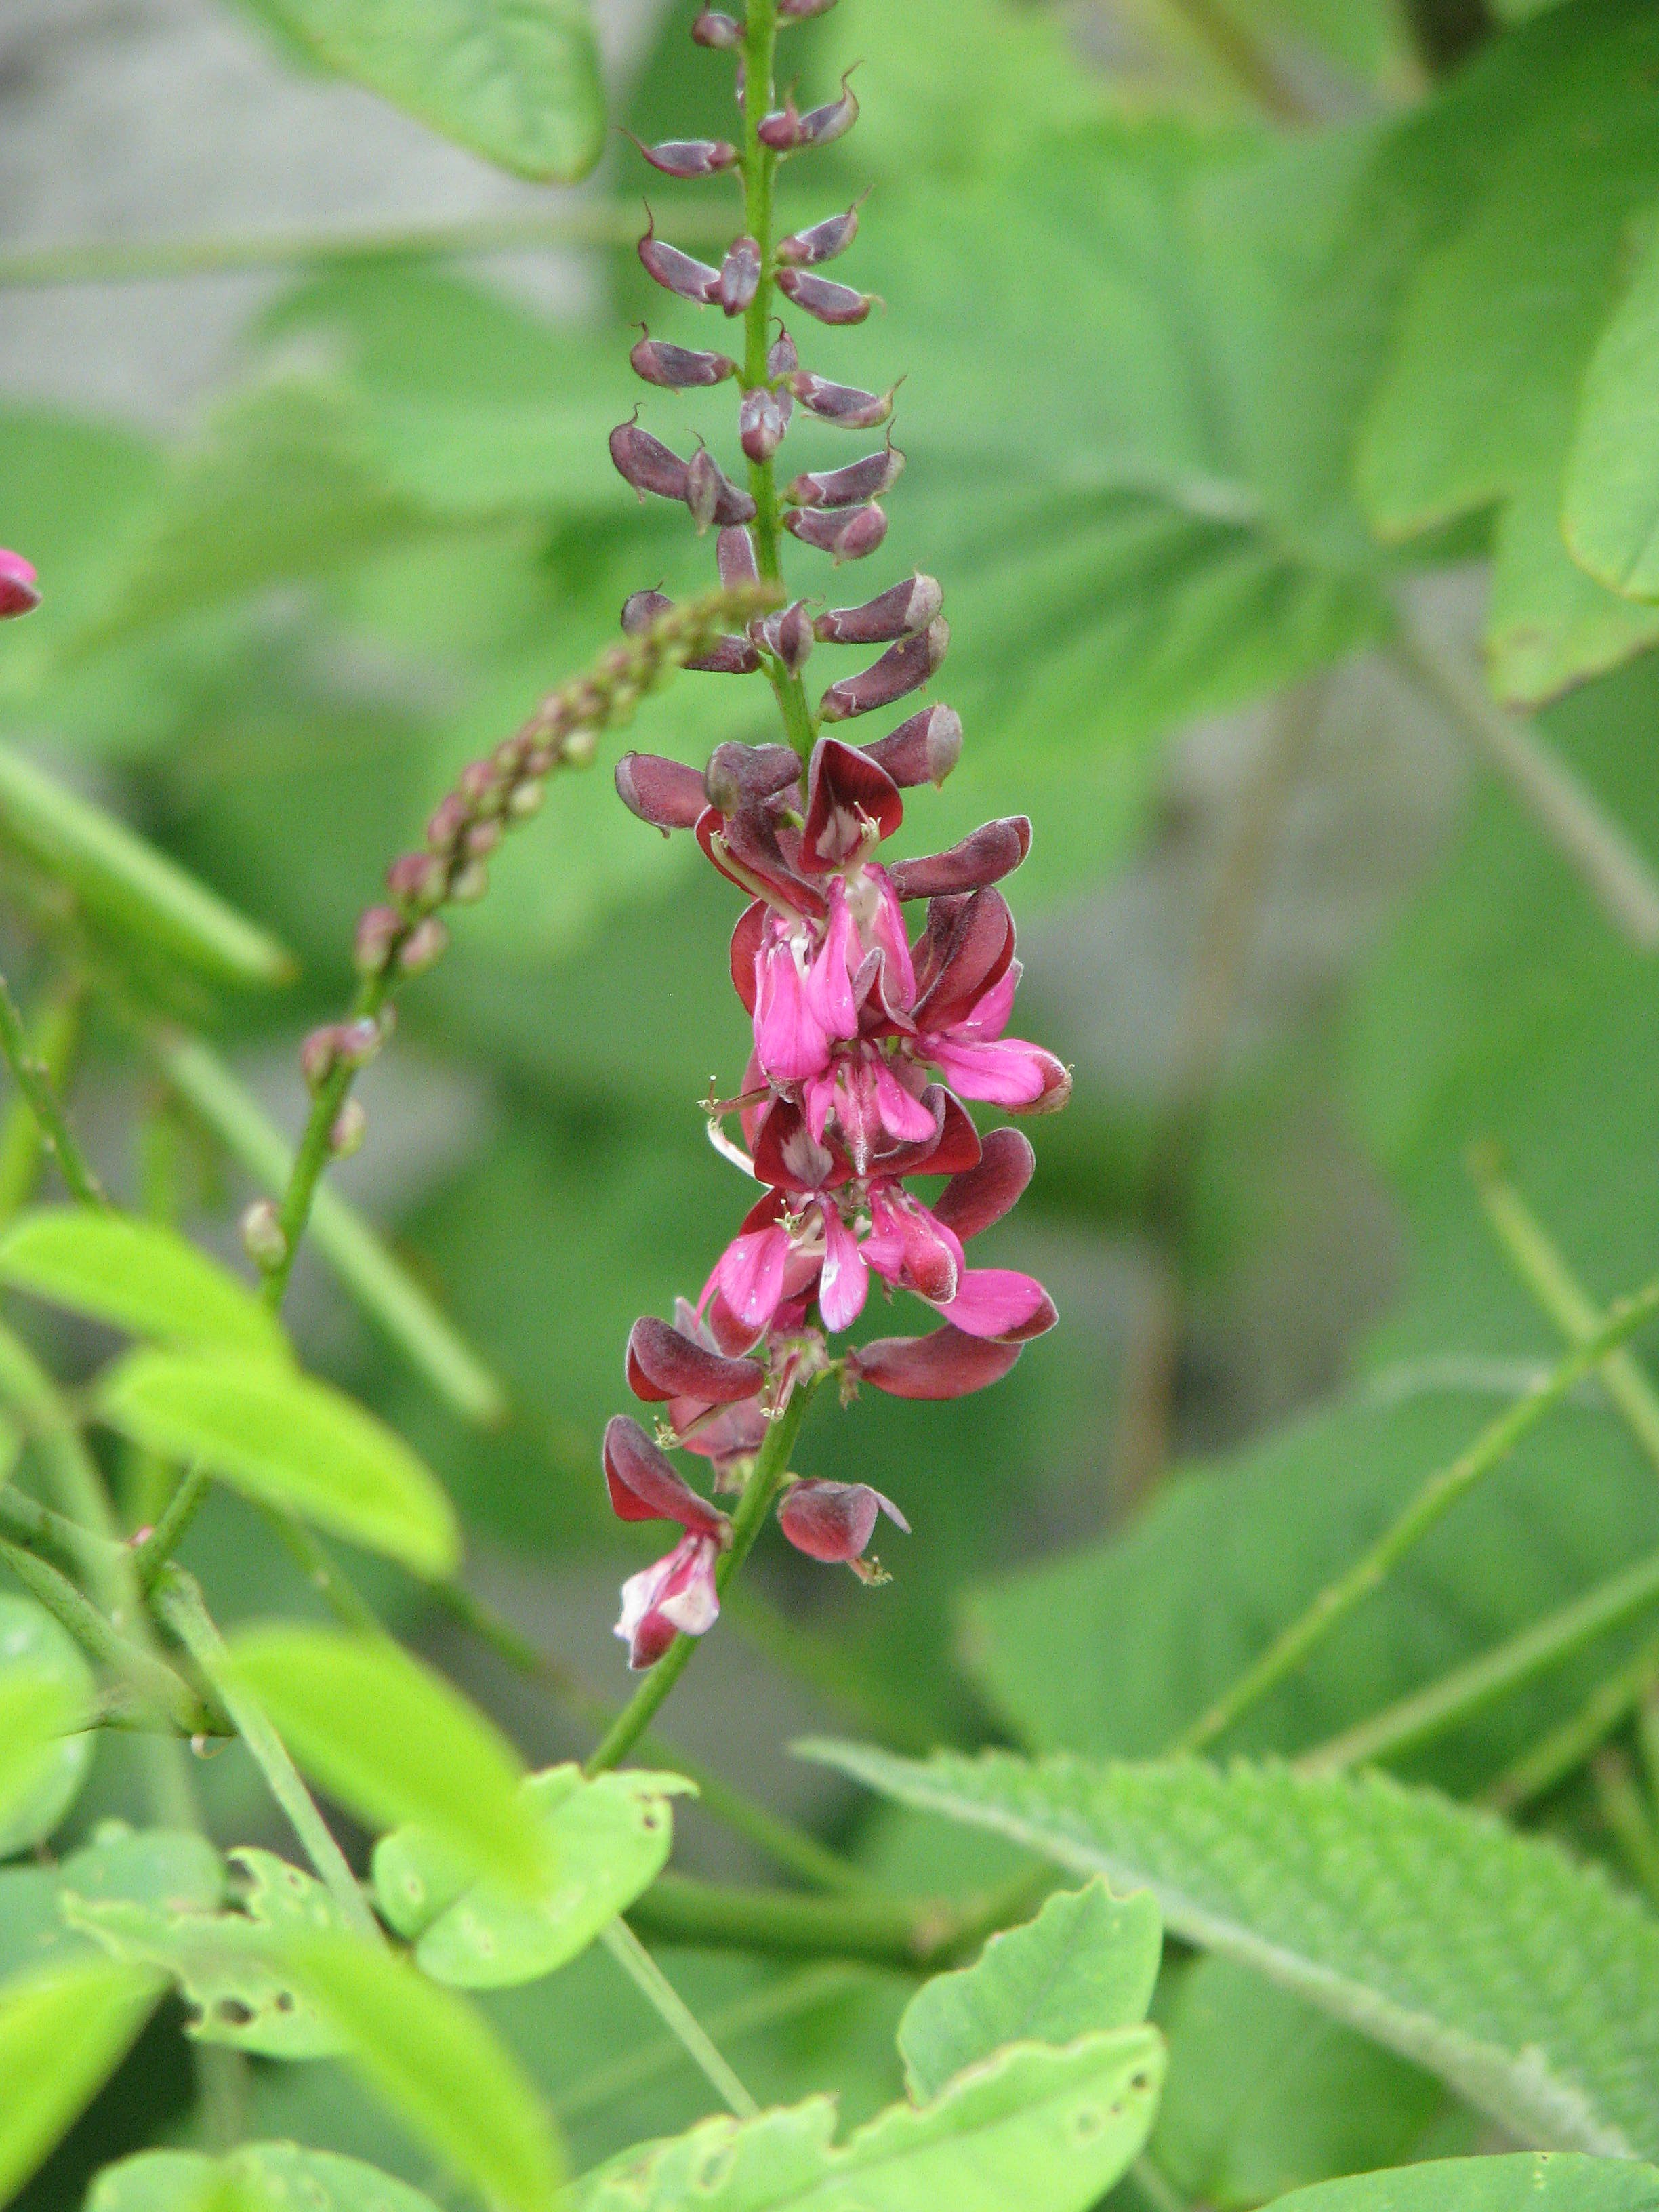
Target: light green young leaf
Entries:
(264, 2174)
(287, 1440)
(395, 1743)
(439, 2066)
(607, 1839)
(1087, 1963)
(160, 1868)
(1047, 2131)
(63, 2030)
(142, 898)
(1611, 513)
(45, 1691)
(1528, 1983)
(1545, 2184)
(517, 81)
(136, 1275)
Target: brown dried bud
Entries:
(262, 1237)
(761, 420)
(786, 130)
(787, 634)
(646, 463)
(821, 297)
(841, 404)
(898, 612)
(675, 271)
(348, 1130)
(782, 359)
(423, 947)
(711, 496)
(689, 157)
(903, 667)
(678, 369)
(924, 749)
(641, 610)
(712, 28)
(739, 277)
(378, 931)
(803, 249)
(849, 536)
(858, 481)
(734, 550)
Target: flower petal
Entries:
(971, 1201)
(998, 1302)
(844, 1284)
(943, 1365)
(664, 1363)
(644, 1486)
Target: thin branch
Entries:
(678, 2017)
(54, 1034)
(1630, 1821)
(34, 1081)
(1565, 1748)
(151, 1679)
(1246, 60)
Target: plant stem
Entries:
(1431, 1711)
(759, 173)
(1568, 1747)
(53, 1036)
(1437, 1496)
(152, 1679)
(1620, 1803)
(771, 1465)
(178, 1601)
(666, 2001)
(34, 1081)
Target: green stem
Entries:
(910, 1937)
(1435, 1498)
(53, 1036)
(1431, 1711)
(678, 2017)
(169, 1532)
(179, 1601)
(1566, 1748)
(1620, 1803)
(315, 1150)
(771, 1465)
(150, 1678)
(34, 1081)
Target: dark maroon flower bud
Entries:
(664, 792)
(664, 1363)
(966, 947)
(970, 1202)
(786, 130)
(847, 794)
(823, 298)
(416, 880)
(711, 495)
(849, 536)
(903, 667)
(378, 931)
(804, 249)
(841, 404)
(797, 11)
(711, 28)
(689, 157)
(945, 1364)
(678, 369)
(924, 749)
(787, 634)
(642, 609)
(833, 1520)
(898, 612)
(646, 463)
(423, 947)
(741, 776)
(782, 359)
(850, 486)
(990, 852)
(739, 277)
(727, 656)
(952, 1150)
(761, 420)
(734, 551)
(644, 1486)
(20, 589)
(675, 271)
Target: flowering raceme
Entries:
(866, 1039)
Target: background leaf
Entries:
(139, 1276)
(46, 1694)
(62, 2032)
(1489, 2184)
(270, 2173)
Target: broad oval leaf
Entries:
(1546, 2183)
(1611, 510)
(394, 1742)
(273, 2174)
(288, 1440)
(1085, 1964)
(138, 1276)
(438, 2064)
(608, 1840)
(1528, 1983)
(1047, 2131)
(517, 81)
(45, 1693)
(63, 2030)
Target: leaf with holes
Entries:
(138, 1276)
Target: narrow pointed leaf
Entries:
(63, 2031)
(136, 1275)
(45, 1693)
(291, 1441)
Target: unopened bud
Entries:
(739, 277)
(578, 747)
(841, 404)
(787, 132)
(738, 775)
(734, 550)
(482, 838)
(357, 1042)
(822, 298)
(320, 1057)
(261, 1235)
(803, 249)
(423, 947)
(727, 656)
(480, 783)
(689, 157)
(711, 496)
(350, 1126)
(377, 932)
(848, 536)
(712, 28)
(416, 880)
(782, 359)
(678, 369)
(675, 271)
(468, 883)
(446, 821)
(924, 749)
(20, 590)
(858, 481)
(797, 11)
(905, 608)
(761, 420)
(646, 463)
(526, 799)
(789, 636)
(903, 667)
(641, 610)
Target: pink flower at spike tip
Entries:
(20, 592)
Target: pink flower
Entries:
(20, 594)
(676, 1595)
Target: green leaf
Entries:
(287, 1440)
(1087, 1963)
(126, 886)
(608, 1840)
(395, 1742)
(1611, 513)
(136, 1275)
(1049, 2130)
(517, 81)
(46, 1690)
(63, 2030)
(439, 2066)
(1545, 2184)
(263, 2174)
(1526, 1982)
(162, 1868)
